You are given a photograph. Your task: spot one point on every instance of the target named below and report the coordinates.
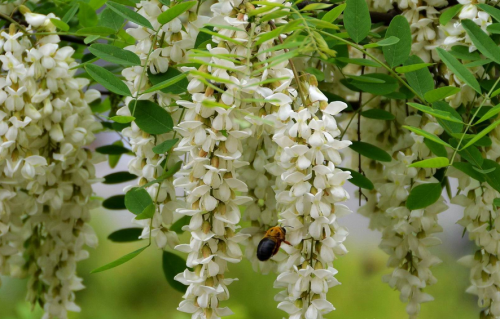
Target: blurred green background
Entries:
(138, 289)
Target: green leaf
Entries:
(423, 195)
(493, 28)
(90, 38)
(473, 64)
(175, 88)
(116, 202)
(165, 146)
(484, 171)
(120, 260)
(316, 6)
(203, 38)
(378, 114)
(441, 93)
(181, 222)
(114, 159)
(492, 178)
(175, 11)
(496, 202)
(87, 15)
(358, 179)
(70, 13)
(449, 126)
(119, 177)
(435, 148)
(390, 85)
(413, 67)
(165, 84)
(172, 170)
(468, 169)
(147, 213)
(478, 136)
(320, 76)
(398, 53)
(383, 43)
(96, 4)
(333, 14)
(172, 266)
(362, 62)
(436, 113)
(107, 79)
(495, 93)
(137, 199)
(462, 52)
(97, 31)
(449, 14)
(491, 112)
(110, 19)
(60, 24)
(366, 79)
(130, 15)
(122, 119)
(129, 3)
(370, 151)
(435, 162)
(481, 40)
(493, 12)
(459, 69)
(357, 19)
(100, 106)
(427, 135)
(125, 235)
(421, 80)
(113, 54)
(150, 117)
(112, 150)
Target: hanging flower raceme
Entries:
(308, 199)
(481, 222)
(159, 52)
(229, 92)
(46, 171)
(262, 211)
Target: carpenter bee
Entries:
(270, 244)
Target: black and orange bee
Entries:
(271, 242)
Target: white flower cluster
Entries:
(212, 136)
(406, 235)
(308, 198)
(158, 50)
(262, 211)
(46, 174)
(454, 35)
(454, 32)
(481, 222)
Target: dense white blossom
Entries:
(46, 174)
(158, 51)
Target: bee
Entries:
(271, 242)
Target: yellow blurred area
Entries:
(138, 288)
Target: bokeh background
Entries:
(138, 289)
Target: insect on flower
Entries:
(270, 244)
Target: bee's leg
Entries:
(288, 243)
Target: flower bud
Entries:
(299, 303)
(208, 312)
(24, 9)
(205, 227)
(318, 265)
(209, 282)
(206, 252)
